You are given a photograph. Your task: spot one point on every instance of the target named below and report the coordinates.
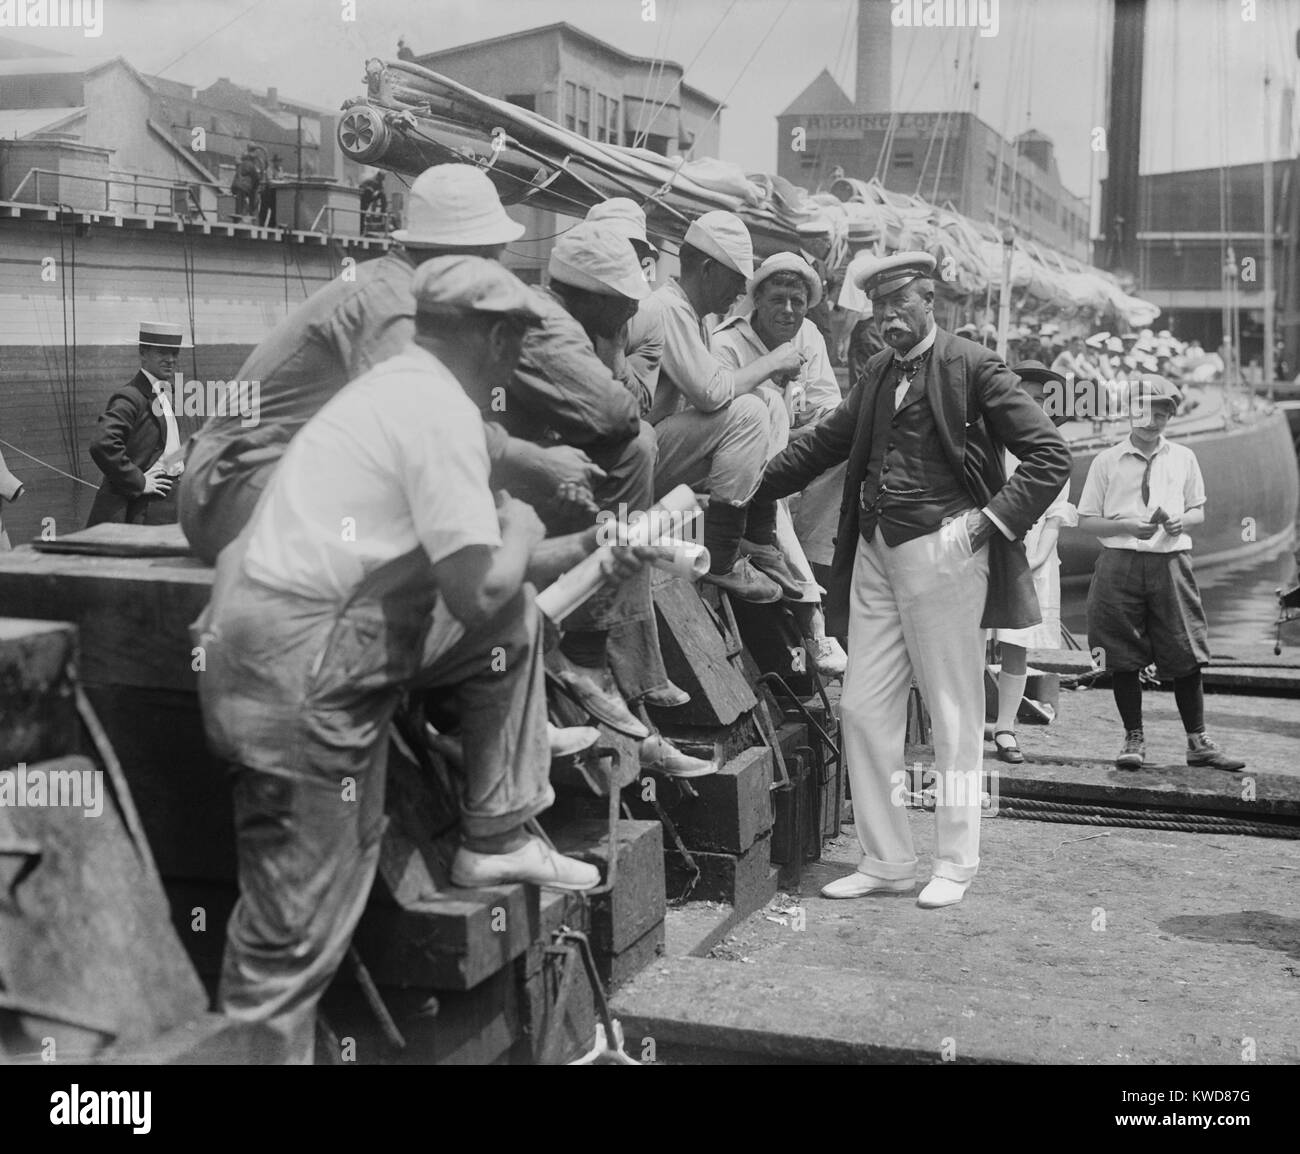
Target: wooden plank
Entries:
(745, 880)
(696, 658)
(133, 615)
(83, 928)
(38, 709)
(114, 540)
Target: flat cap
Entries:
(789, 262)
(624, 216)
(595, 257)
(472, 284)
(724, 237)
(1152, 388)
(884, 275)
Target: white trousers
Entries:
(915, 610)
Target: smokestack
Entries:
(873, 90)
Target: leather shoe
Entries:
(603, 704)
(941, 892)
(746, 582)
(657, 752)
(571, 739)
(771, 562)
(1009, 753)
(858, 885)
(668, 696)
(534, 863)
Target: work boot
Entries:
(657, 752)
(1201, 751)
(828, 658)
(746, 582)
(534, 862)
(771, 562)
(1134, 752)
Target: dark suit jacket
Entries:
(129, 437)
(979, 407)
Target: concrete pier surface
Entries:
(1073, 945)
(1076, 943)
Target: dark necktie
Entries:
(1146, 480)
(907, 369)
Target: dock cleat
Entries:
(1134, 752)
(1202, 751)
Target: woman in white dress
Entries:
(1045, 565)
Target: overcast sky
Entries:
(1204, 62)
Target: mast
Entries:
(1119, 210)
(1269, 280)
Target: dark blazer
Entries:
(979, 407)
(129, 437)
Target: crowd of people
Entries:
(436, 441)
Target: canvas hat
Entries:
(159, 335)
(724, 237)
(789, 262)
(624, 216)
(596, 258)
(1097, 340)
(461, 284)
(455, 205)
(1114, 345)
(884, 275)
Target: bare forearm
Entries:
(557, 555)
(753, 375)
(1194, 517)
(1102, 526)
(505, 574)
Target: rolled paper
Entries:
(662, 523)
(688, 561)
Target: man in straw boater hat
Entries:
(360, 319)
(714, 434)
(928, 556)
(137, 443)
(312, 636)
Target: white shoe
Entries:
(858, 885)
(657, 752)
(574, 739)
(534, 862)
(941, 892)
(828, 658)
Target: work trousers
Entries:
(915, 609)
(309, 782)
(722, 452)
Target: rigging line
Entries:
(934, 132)
(887, 145)
(210, 35)
(745, 67)
(682, 79)
(659, 58)
(56, 469)
(943, 148)
(843, 57)
(72, 382)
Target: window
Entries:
(904, 158)
(991, 172)
(570, 105)
(602, 117)
(584, 112)
(614, 126)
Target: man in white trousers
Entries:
(927, 556)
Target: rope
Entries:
(1253, 829)
(745, 68)
(61, 473)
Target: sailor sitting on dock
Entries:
(363, 317)
(377, 561)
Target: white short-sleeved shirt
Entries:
(394, 461)
(1114, 490)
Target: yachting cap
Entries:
(455, 206)
(789, 262)
(1156, 389)
(885, 275)
(596, 258)
(453, 285)
(159, 335)
(624, 216)
(724, 237)
(1037, 373)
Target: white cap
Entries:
(624, 216)
(724, 237)
(789, 262)
(596, 258)
(455, 206)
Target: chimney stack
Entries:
(873, 88)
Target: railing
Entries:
(179, 193)
(369, 223)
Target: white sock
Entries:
(1011, 688)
